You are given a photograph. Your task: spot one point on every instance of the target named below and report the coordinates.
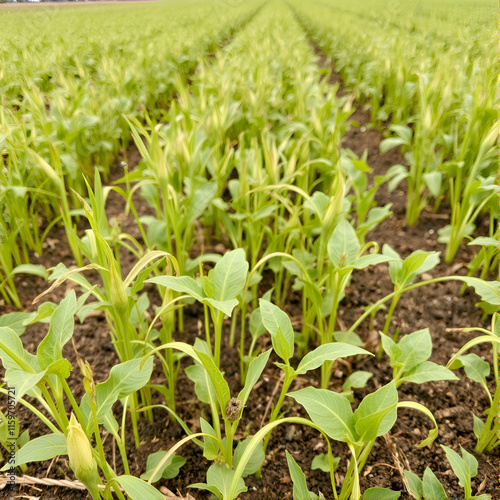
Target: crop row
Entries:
(248, 153)
(434, 79)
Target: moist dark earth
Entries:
(438, 307)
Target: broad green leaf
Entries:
(322, 462)
(278, 324)
(229, 275)
(300, 491)
(391, 349)
(378, 493)
(221, 476)
(16, 321)
(343, 246)
(220, 385)
(62, 325)
(489, 291)
(203, 386)
(168, 470)
(485, 241)
(43, 312)
(377, 413)
(431, 487)
(200, 200)
(329, 410)
(211, 448)
(370, 260)
(256, 326)
(24, 382)
(256, 459)
(464, 467)
(124, 379)
(428, 372)
(417, 263)
(415, 349)
(415, 484)
(357, 380)
(328, 352)
(433, 181)
(39, 449)
(204, 486)
(255, 370)
(182, 284)
(12, 352)
(137, 489)
(225, 306)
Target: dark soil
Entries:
(437, 307)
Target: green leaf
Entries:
(391, 349)
(433, 181)
(377, 413)
(137, 489)
(256, 459)
(62, 325)
(370, 260)
(328, 352)
(24, 382)
(34, 269)
(221, 476)
(124, 379)
(278, 324)
(43, 312)
(12, 352)
(322, 462)
(428, 372)
(415, 485)
(329, 410)
(357, 380)
(415, 349)
(255, 370)
(432, 488)
(220, 385)
(343, 246)
(489, 291)
(211, 448)
(225, 306)
(478, 426)
(200, 200)
(168, 470)
(39, 449)
(203, 386)
(228, 277)
(16, 321)
(465, 467)
(181, 284)
(300, 491)
(378, 493)
(417, 263)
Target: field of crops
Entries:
(250, 250)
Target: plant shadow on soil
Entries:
(437, 307)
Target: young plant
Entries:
(43, 377)
(278, 324)
(375, 416)
(429, 487)
(487, 433)
(212, 389)
(403, 273)
(218, 291)
(409, 359)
